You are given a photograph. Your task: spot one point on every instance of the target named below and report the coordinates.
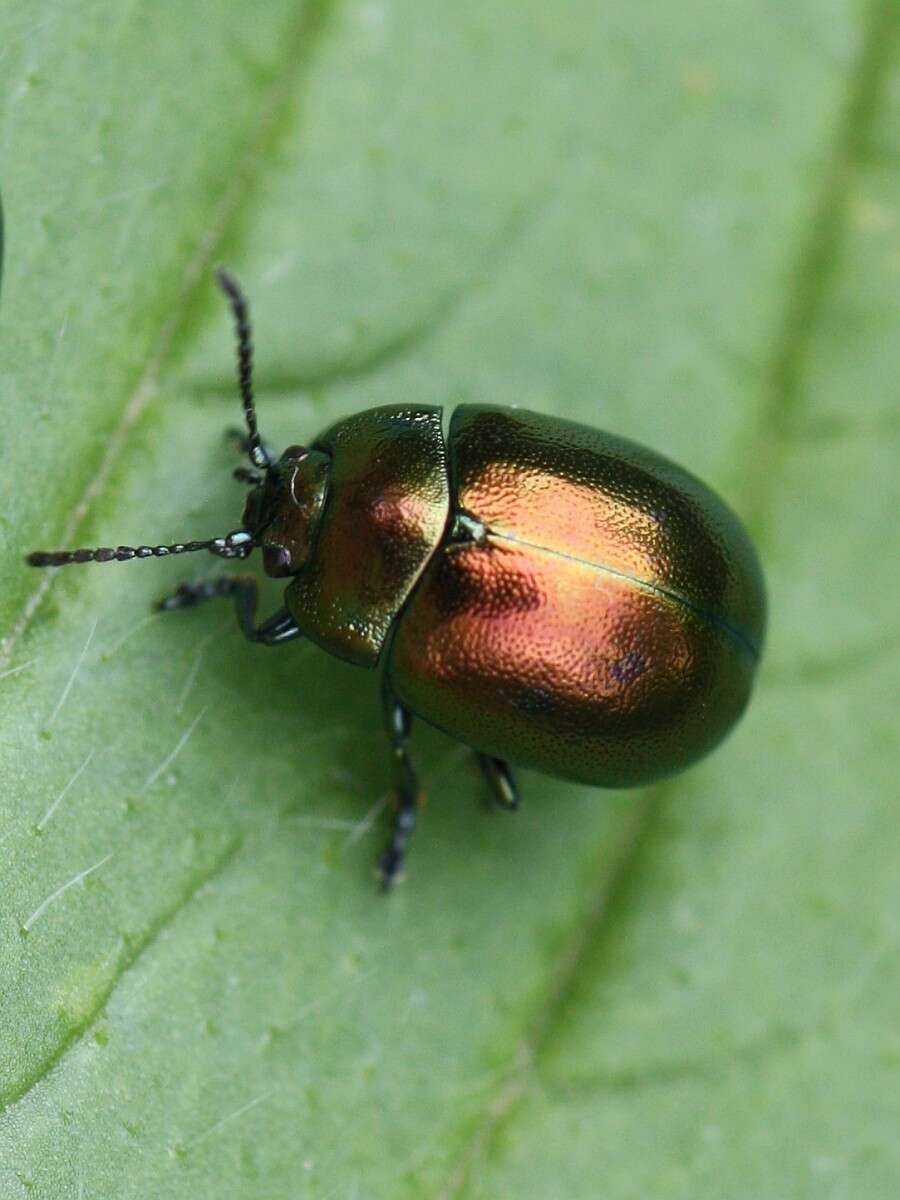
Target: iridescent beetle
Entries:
(548, 594)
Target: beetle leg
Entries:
(244, 590)
(398, 722)
(241, 440)
(500, 779)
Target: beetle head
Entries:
(283, 509)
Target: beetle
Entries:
(548, 594)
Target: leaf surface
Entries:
(680, 225)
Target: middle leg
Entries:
(407, 796)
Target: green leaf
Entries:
(678, 223)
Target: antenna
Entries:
(235, 545)
(239, 308)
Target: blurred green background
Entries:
(680, 222)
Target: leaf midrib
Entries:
(235, 197)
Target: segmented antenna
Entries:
(235, 545)
(239, 308)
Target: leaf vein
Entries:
(132, 953)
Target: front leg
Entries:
(244, 590)
(407, 796)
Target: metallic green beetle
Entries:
(548, 594)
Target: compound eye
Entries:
(294, 454)
(277, 561)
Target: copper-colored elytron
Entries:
(609, 627)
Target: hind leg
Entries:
(500, 780)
